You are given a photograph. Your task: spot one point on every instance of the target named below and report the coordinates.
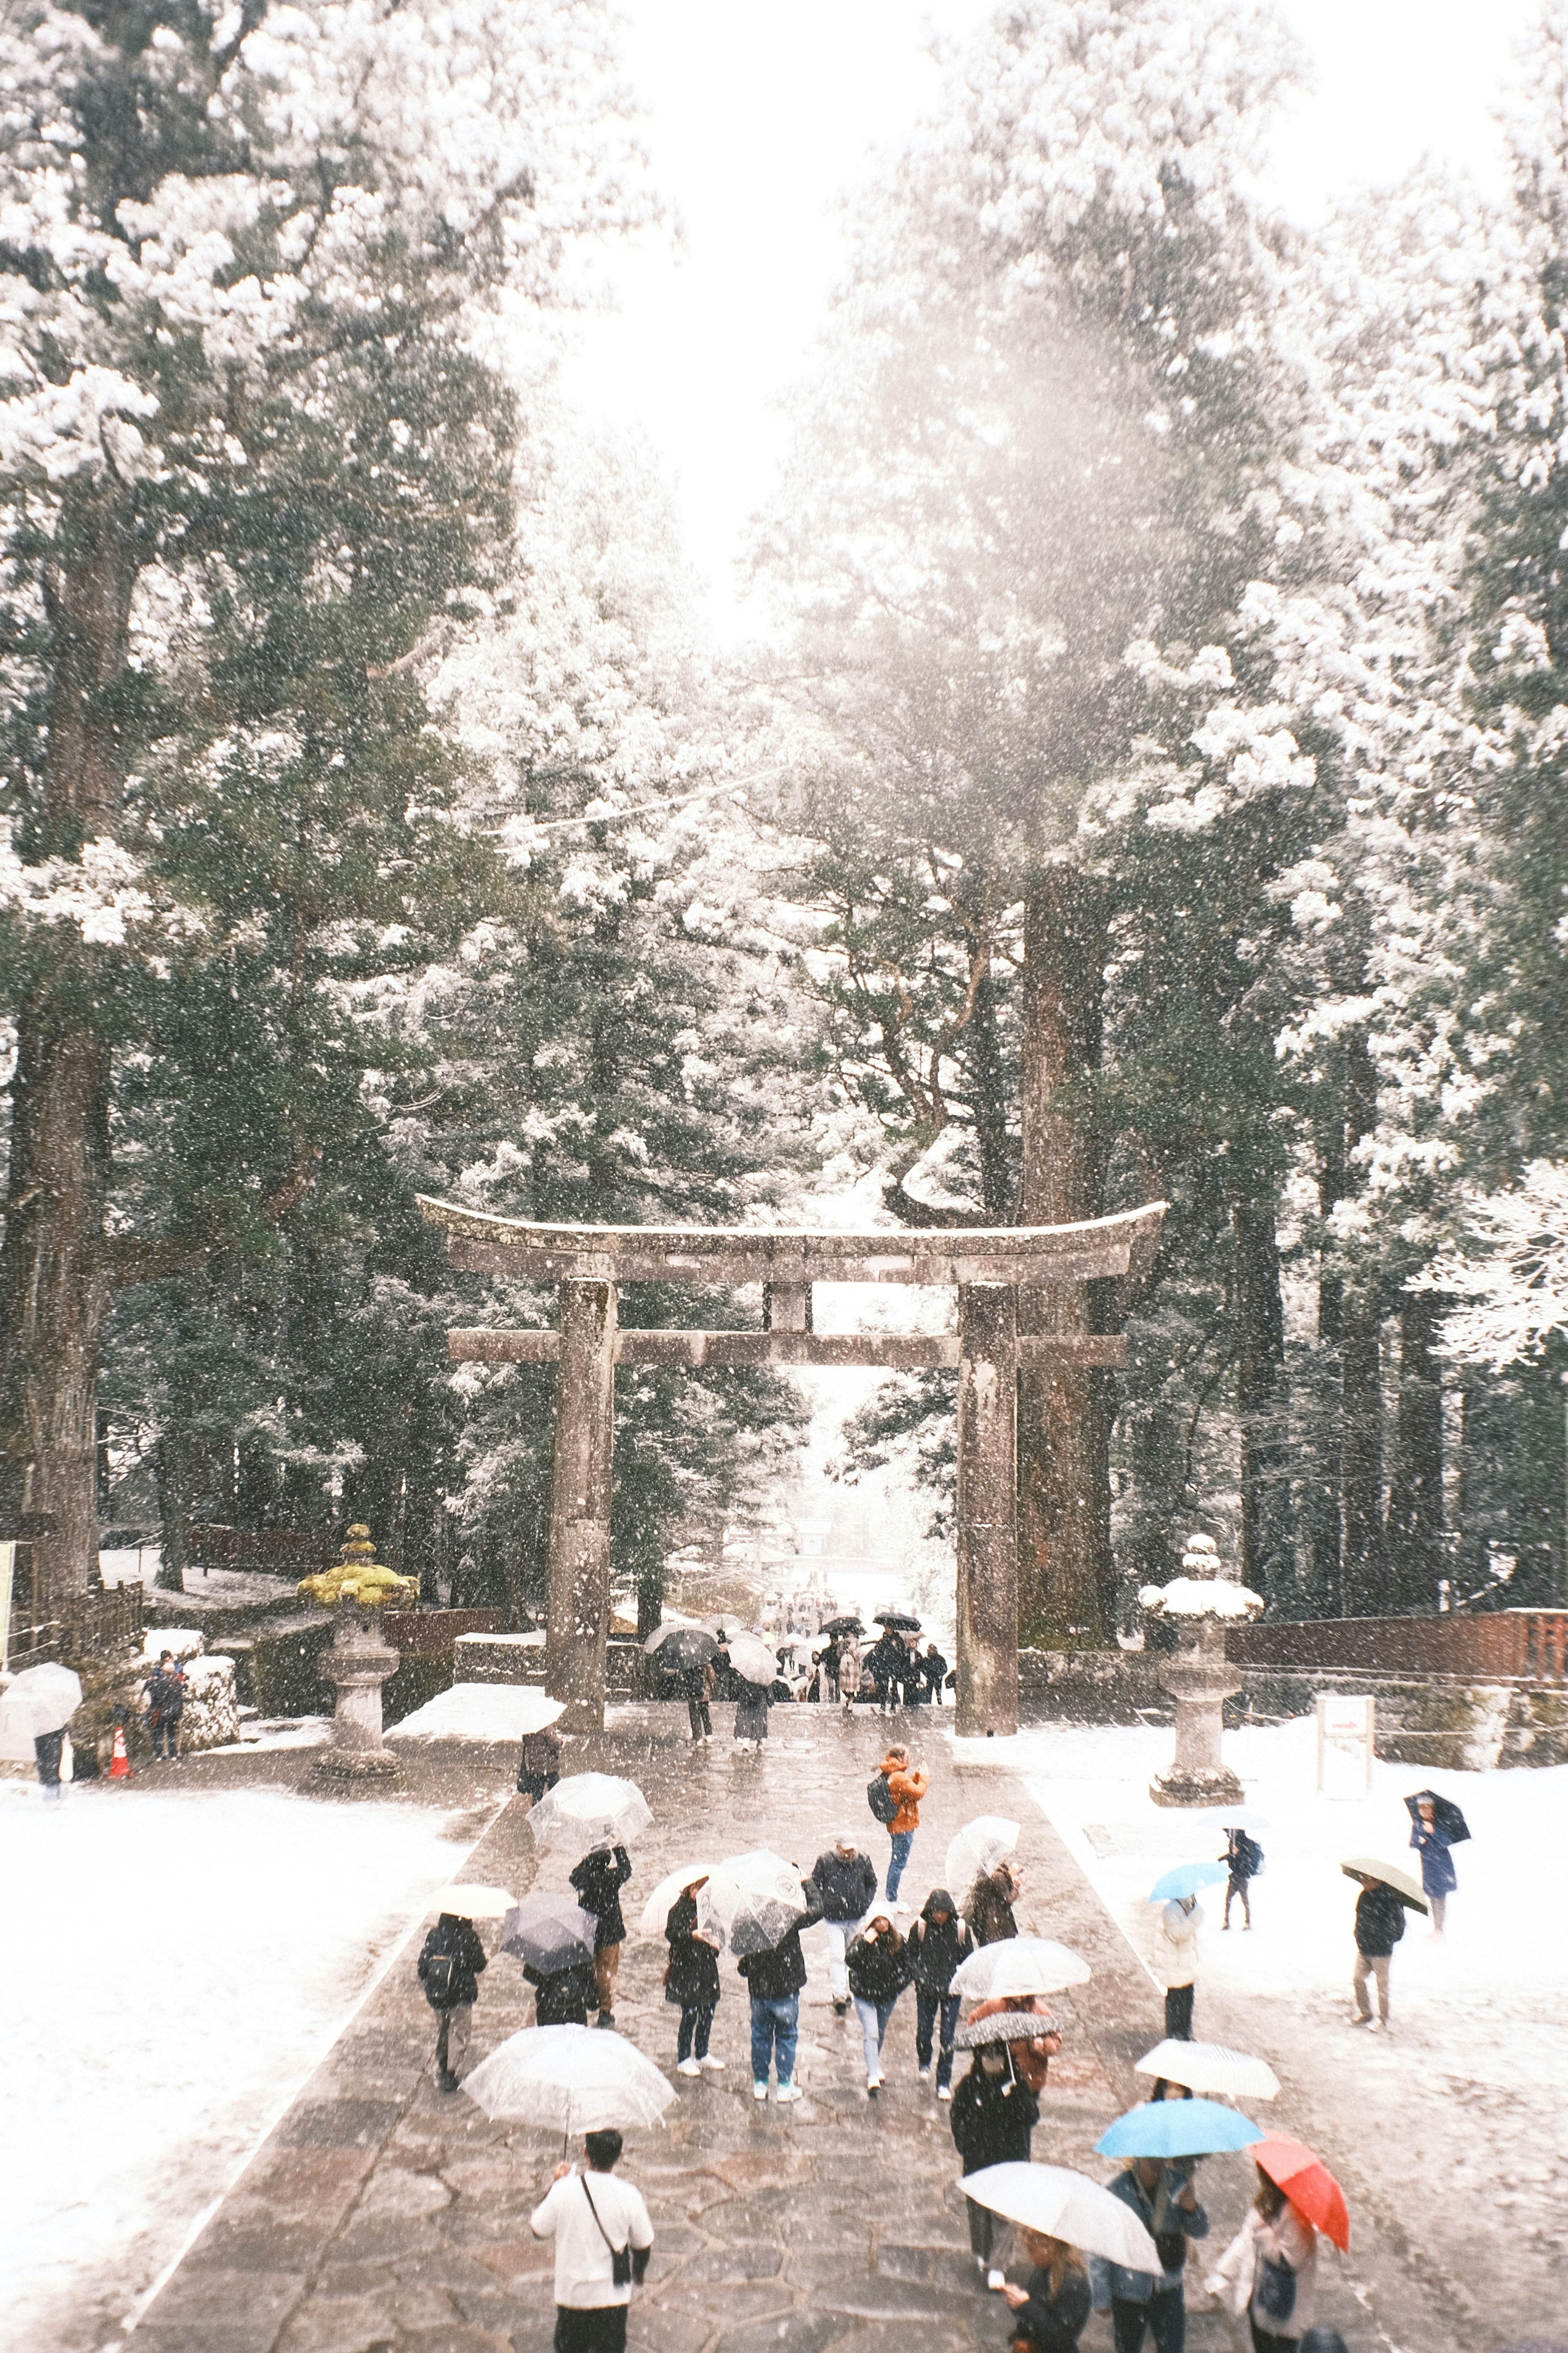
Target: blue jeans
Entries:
(902, 1841)
(1165, 2313)
(696, 2022)
(775, 2026)
(927, 2006)
(166, 1735)
(873, 2017)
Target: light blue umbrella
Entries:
(1185, 1880)
(1178, 2128)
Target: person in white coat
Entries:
(1269, 2272)
(1176, 1959)
(603, 2237)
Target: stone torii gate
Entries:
(988, 1267)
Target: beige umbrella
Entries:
(655, 1911)
(1062, 2204)
(1211, 2067)
(1404, 1884)
(473, 1902)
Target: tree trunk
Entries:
(1416, 1491)
(1325, 1505)
(54, 1277)
(173, 1511)
(1364, 1582)
(1261, 1399)
(1067, 1578)
(989, 1093)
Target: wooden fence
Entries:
(1515, 1646)
(87, 1626)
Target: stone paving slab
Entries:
(382, 2218)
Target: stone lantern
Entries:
(359, 1659)
(1199, 1605)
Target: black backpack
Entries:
(440, 1977)
(880, 1798)
(1250, 1854)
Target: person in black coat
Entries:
(691, 1982)
(1379, 1925)
(994, 2114)
(451, 1963)
(933, 1673)
(879, 1971)
(564, 1997)
(843, 1886)
(938, 1942)
(1051, 2311)
(598, 1880)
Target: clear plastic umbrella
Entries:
(571, 2079)
(655, 1911)
(1019, 1965)
(979, 1847)
(750, 1900)
(547, 1932)
(590, 1809)
(41, 1699)
(1211, 2067)
(1064, 2205)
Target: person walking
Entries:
(843, 1886)
(988, 1907)
(1176, 1959)
(993, 2115)
(752, 1701)
(933, 1674)
(165, 1706)
(1051, 2310)
(938, 1942)
(1141, 2303)
(1243, 1859)
(691, 1982)
(773, 1980)
(878, 1972)
(1270, 2270)
(538, 1765)
(907, 1784)
(850, 1669)
(598, 1880)
(1039, 2037)
(826, 1663)
(1379, 1925)
(697, 1682)
(450, 1964)
(603, 2237)
(1438, 1877)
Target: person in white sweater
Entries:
(1269, 2272)
(1176, 1959)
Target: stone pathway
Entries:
(382, 2218)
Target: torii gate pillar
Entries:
(987, 1509)
(579, 1607)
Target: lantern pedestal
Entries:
(1200, 1679)
(358, 1664)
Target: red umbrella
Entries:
(1308, 2183)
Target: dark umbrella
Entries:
(548, 1933)
(843, 1626)
(1446, 1815)
(681, 1646)
(898, 1621)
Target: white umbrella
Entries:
(471, 1903)
(753, 1659)
(1018, 1965)
(41, 1699)
(535, 1711)
(979, 1847)
(750, 1900)
(1066, 2205)
(589, 1810)
(655, 1911)
(1227, 1817)
(571, 2078)
(1210, 2067)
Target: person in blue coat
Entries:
(1432, 1838)
(1140, 2303)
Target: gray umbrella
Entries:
(1003, 2026)
(548, 1933)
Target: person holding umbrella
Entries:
(450, 1964)
(691, 1982)
(1176, 1942)
(850, 1666)
(1379, 1925)
(994, 2114)
(1435, 1825)
(1144, 2303)
(698, 1681)
(598, 1879)
(1050, 2312)
(879, 1971)
(989, 1906)
(603, 2237)
(1270, 2270)
(1243, 1859)
(773, 1980)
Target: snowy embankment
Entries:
(1458, 2112)
(174, 1964)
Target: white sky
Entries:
(762, 115)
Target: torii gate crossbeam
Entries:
(987, 1267)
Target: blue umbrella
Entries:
(1185, 1880)
(1178, 2128)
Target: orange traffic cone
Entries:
(120, 1763)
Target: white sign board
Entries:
(1347, 1731)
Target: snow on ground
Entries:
(474, 1712)
(174, 1964)
(1460, 2111)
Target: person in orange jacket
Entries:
(908, 1785)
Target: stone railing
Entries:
(1511, 1646)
